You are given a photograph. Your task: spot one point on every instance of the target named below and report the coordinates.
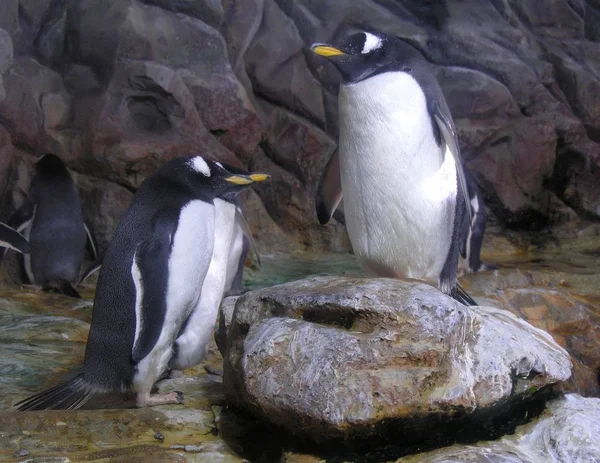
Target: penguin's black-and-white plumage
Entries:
(241, 244)
(472, 231)
(158, 275)
(51, 219)
(12, 239)
(399, 161)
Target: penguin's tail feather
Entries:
(69, 395)
(459, 294)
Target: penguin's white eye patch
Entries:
(200, 165)
(372, 42)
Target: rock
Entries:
(117, 88)
(209, 11)
(224, 321)
(346, 358)
(513, 170)
(36, 106)
(104, 203)
(568, 430)
(6, 52)
(551, 295)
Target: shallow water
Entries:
(42, 339)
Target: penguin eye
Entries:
(406, 69)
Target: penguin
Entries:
(167, 252)
(12, 239)
(399, 163)
(241, 244)
(472, 232)
(224, 275)
(51, 219)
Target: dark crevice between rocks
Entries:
(593, 133)
(568, 162)
(280, 161)
(296, 109)
(153, 109)
(217, 133)
(54, 13)
(392, 439)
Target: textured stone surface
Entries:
(335, 357)
(568, 430)
(53, 344)
(117, 88)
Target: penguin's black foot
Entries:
(152, 400)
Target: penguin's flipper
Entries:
(151, 277)
(243, 223)
(93, 268)
(20, 220)
(444, 122)
(459, 294)
(329, 192)
(12, 239)
(69, 395)
(90, 244)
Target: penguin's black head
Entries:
(50, 164)
(365, 54)
(211, 179)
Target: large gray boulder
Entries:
(331, 357)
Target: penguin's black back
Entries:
(57, 236)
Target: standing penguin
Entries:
(232, 242)
(157, 275)
(472, 231)
(51, 218)
(241, 243)
(401, 173)
(12, 239)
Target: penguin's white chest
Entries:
(399, 186)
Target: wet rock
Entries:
(555, 291)
(340, 357)
(568, 430)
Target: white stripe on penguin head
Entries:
(372, 42)
(199, 165)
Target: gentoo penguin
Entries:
(167, 251)
(472, 231)
(241, 243)
(51, 218)
(399, 164)
(224, 275)
(12, 239)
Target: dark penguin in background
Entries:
(168, 251)
(472, 231)
(12, 239)
(398, 164)
(51, 219)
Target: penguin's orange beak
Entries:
(247, 179)
(260, 177)
(325, 50)
(239, 180)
